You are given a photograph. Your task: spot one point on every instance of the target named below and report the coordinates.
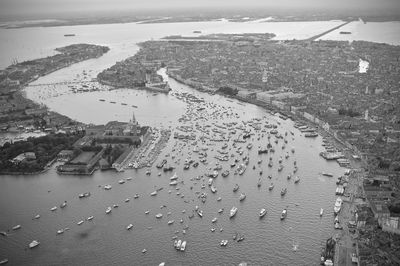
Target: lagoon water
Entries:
(105, 241)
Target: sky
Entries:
(49, 8)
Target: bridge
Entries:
(326, 32)
(61, 83)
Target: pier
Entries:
(328, 31)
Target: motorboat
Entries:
(153, 193)
(284, 214)
(235, 188)
(17, 227)
(321, 212)
(220, 210)
(4, 261)
(214, 220)
(115, 206)
(171, 222)
(338, 205)
(136, 196)
(64, 204)
(90, 218)
(80, 222)
(173, 183)
(219, 199)
(174, 177)
(233, 212)
(159, 215)
(296, 179)
(129, 227)
(37, 216)
(225, 173)
(213, 189)
(127, 199)
(107, 187)
(259, 182)
(210, 181)
(53, 209)
(34, 244)
(200, 213)
(108, 210)
(178, 244)
(271, 187)
(121, 181)
(224, 243)
(61, 231)
(283, 191)
(262, 213)
(146, 212)
(183, 246)
(242, 197)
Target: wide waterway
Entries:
(105, 241)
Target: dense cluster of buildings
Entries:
(103, 146)
(351, 90)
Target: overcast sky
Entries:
(9, 8)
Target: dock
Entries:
(328, 31)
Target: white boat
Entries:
(200, 213)
(171, 222)
(297, 179)
(34, 243)
(174, 177)
(127, 200)
(242, 197)
(183, 246)
(233, 212)
(210, 182)
(37, 216)
(61, 231)
(129, 227)
(107, 187)
(262, 212)
(213, 189)
(173, 183)
(214, 220)
(53, 209)
(178, 244)
(63, 205)
(80, 222)
(159, 216)
(338, 205)
(224, 243)
(220, 210)
(121, 181)
(284, 214)
(136, 196)
(271, 187)
(108, 210)
(16, 227)
(321, 212)
(235, 188)
(219, 199)
(153, 193)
